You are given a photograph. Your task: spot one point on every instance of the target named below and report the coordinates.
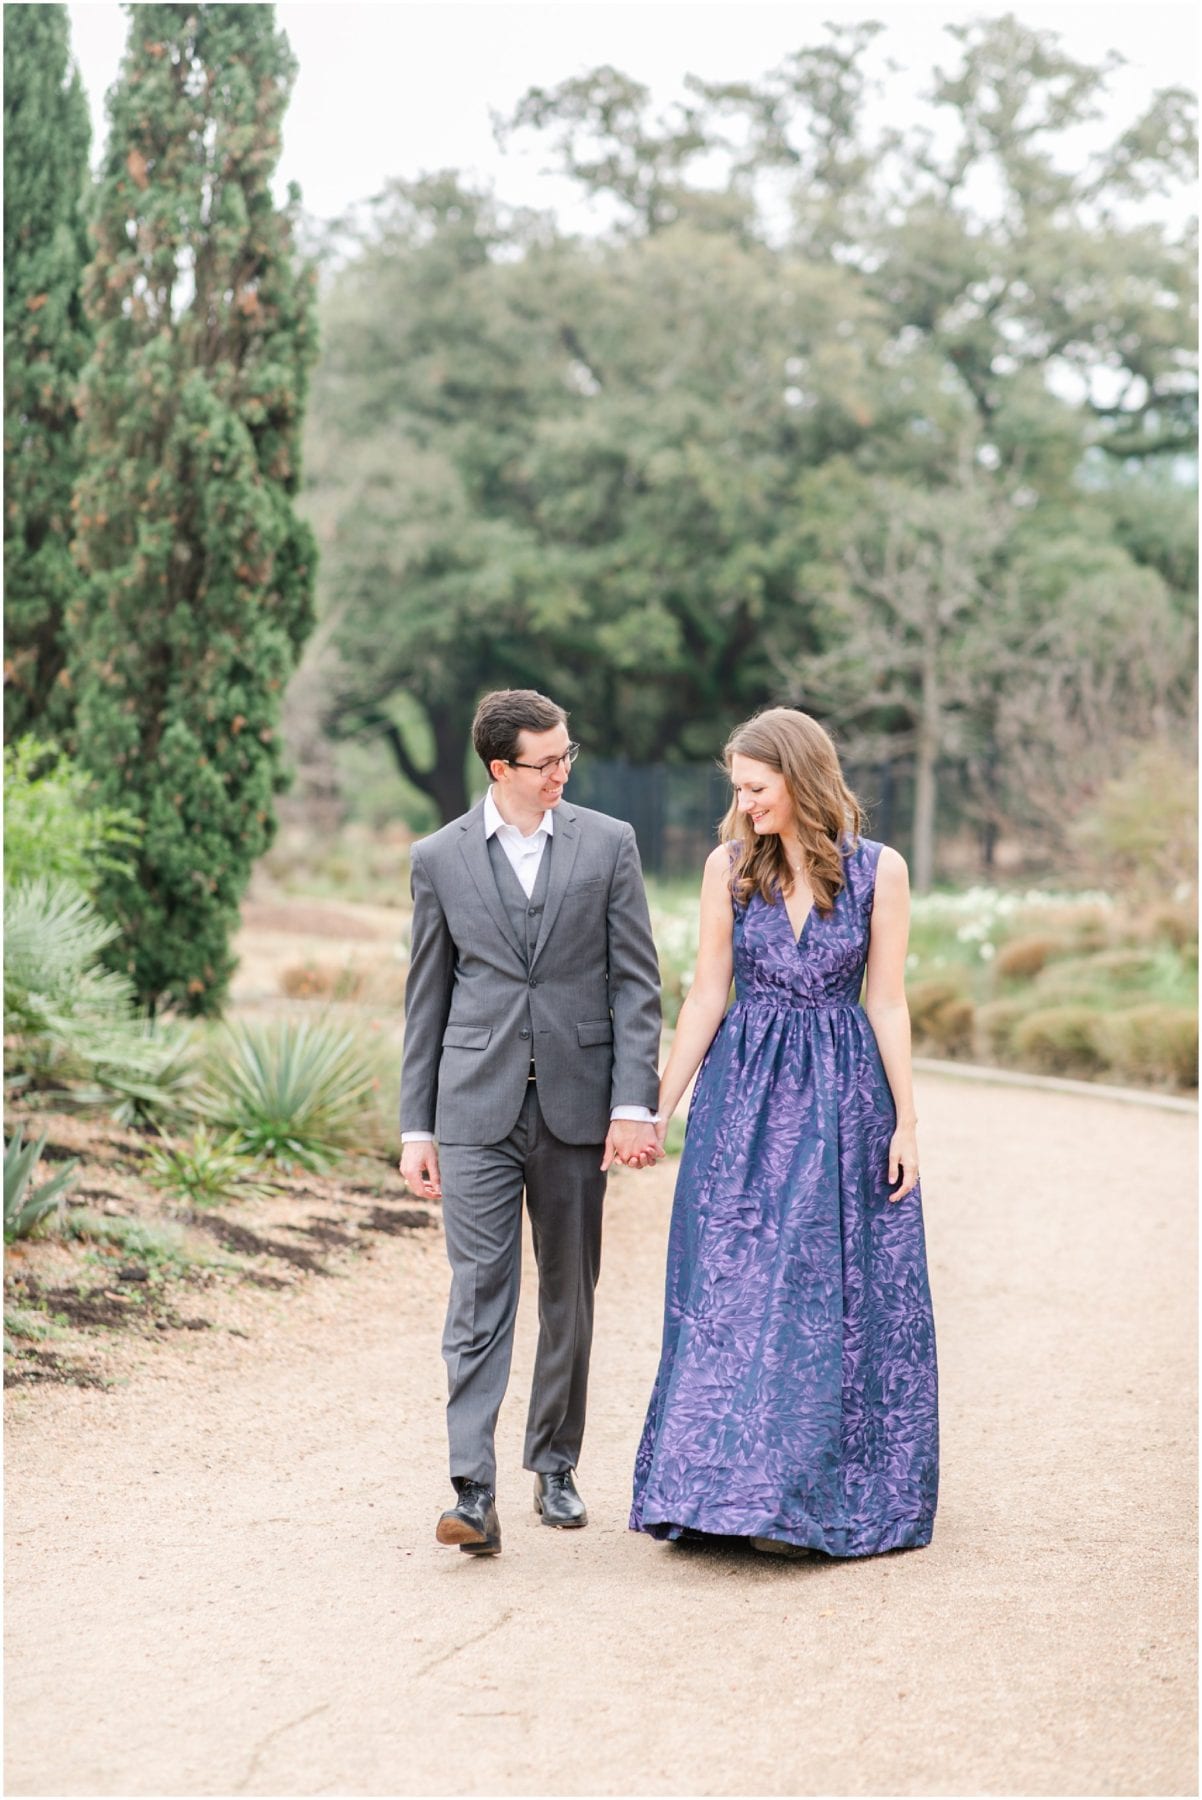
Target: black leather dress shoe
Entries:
(472, 1522)
(555, 1497)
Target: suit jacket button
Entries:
(534, 981)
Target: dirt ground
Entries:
(222, 1575)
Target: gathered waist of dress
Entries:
(768, 1002)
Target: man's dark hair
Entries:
(501, 716)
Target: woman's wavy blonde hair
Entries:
(827, 814)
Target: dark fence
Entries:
(676, 808)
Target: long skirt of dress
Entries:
(796, 1393)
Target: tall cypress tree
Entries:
(46, 135)
(201, 576)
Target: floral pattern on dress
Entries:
(797, 1392)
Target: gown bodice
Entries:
(824, 966)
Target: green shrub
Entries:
(949, 1028)
(1024, 957)
(27, 1323)
(160, 1243)
(206, 1170)
(1115, 976)
(1152, 1043)
(1143, 826)
(22, 1212)
(1062, 1040)
(53, 828)
(294, 1091)
(1090, 928)
(994, 1027)
(941, 1016)
(71, 1024)
(1175, 923)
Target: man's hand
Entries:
(419, 1166)
(632, 1143)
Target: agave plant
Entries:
(22, 1213)
(207, 1170)
(294, 1091)
(71, 1025)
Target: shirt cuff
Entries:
(417, 1137)
(643, 1114)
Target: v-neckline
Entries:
(805, 923)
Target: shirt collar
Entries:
(493, 822)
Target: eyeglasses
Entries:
(544, 768)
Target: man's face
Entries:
(542, 782)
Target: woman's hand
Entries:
(903, 1160)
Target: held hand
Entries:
(903, 1161)
(661, 1132)
(419, 1166)
(631, 1142)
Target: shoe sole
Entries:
(457, 1532)
(560, 1524)
(778, 1547)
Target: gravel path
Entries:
(223, 1579)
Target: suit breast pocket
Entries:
(586, 889)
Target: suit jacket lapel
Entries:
(473, 847)
(564, 845)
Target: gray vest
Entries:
(525, 916)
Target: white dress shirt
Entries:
(525, 853)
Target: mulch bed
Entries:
(336, 1218)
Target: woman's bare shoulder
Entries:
(893, 861)
(892, 875)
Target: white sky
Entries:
(396, 87)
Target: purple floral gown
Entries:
(796, 1393)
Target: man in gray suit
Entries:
(532, 1022)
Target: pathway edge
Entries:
(1054, 1084)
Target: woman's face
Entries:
(762, 794)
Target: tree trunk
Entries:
(444, 781)
(927, 751)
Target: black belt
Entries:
(532, 1076)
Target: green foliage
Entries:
(71, 1025)
(941, 1015)
(200, 574)
(1143, 825)
(1156, 1043)
(46, 339)
(159, 1243)
(1117, 978)
(292, 1092)
(30, 1325)
(23, 1213)
(53, 828)
(994, 1025)
(1061, 1040)
(206, 1170)
(1024, 957)
(918, 462)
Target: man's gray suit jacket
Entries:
(584, 1006)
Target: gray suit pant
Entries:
(482, 1214)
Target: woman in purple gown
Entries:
(795, 1403)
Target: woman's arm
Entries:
(705, 1003)
(888, 1014)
